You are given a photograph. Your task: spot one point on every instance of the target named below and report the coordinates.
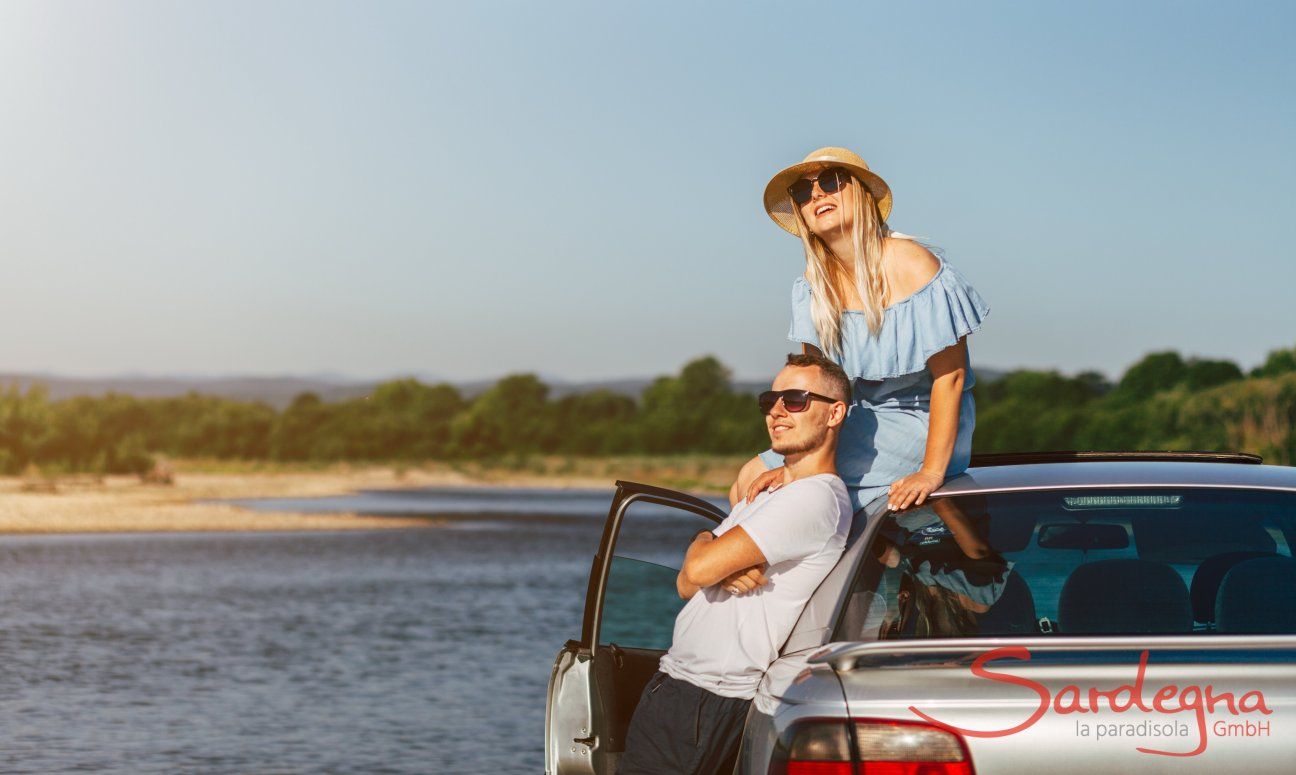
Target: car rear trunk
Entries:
(1076, 704)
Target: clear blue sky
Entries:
(470, 189)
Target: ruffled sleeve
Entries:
(802, 328)
(936, 316)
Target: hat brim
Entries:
(778, 202)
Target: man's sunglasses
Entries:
(830, 182)
(793, 400)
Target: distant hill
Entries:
(280, 391)
(276, 391)
(629, 386)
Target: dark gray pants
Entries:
(682, 728)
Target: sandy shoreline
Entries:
(123, 504)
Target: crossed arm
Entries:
(733, 558)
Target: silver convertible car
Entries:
(1054, 612)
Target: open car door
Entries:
(630, 609)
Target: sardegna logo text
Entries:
(1170, 699)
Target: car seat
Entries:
(1258, 596)
(1206, 581)
(1013, 613)
(1122, 597)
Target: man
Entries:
(747, 582)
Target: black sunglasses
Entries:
(793, 400)
(830, 182)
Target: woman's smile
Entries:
(825, 214)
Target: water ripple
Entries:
(385, 652)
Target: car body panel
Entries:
(800, 691)
(888, 680)
(1049, 476)
(568, 713)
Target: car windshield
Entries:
(1187, 561)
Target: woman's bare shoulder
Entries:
(910, 266)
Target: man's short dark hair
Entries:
(833, 373)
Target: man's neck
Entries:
(804, 464)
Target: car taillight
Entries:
(822, 747)
(815, 748)
(899, 748)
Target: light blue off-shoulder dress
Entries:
(885, 434)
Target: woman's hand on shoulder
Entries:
(770, 480)
(751, 471)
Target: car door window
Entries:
(640, 604)
(640, 600)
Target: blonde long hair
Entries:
(825, 272)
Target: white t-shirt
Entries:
(724, 643)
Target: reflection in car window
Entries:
(1091, 562)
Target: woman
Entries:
(895, 316)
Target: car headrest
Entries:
(1123, 597)
(1258, 596)
(1206, 581)
(1191, 538)
(1013, 613)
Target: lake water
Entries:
(407, 651)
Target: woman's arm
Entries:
(949, 369)
(748, 474)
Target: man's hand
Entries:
(912, 490)
(771, 479)
(745, 581)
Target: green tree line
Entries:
(1162, 402)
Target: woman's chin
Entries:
(827, 223)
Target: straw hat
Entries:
(778, 203)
